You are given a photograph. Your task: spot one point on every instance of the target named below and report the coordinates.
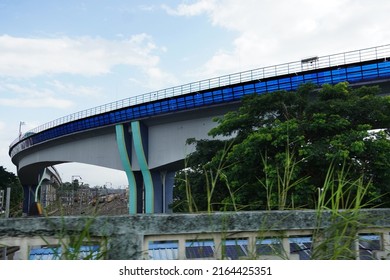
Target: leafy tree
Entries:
(9, 179)
(67, 186)
(283, 144)
(191, 184)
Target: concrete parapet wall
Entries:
(128, 235)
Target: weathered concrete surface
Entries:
(126, 233)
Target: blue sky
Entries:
(60, 57)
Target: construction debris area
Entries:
(85, 201)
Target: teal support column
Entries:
(140, 140)
(125, 155)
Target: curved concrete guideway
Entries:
(148, 151)
(31, 202)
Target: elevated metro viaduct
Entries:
(149, 150)
(146, 135)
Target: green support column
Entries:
(143, 164)
(125, 156)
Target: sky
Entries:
(58, 57)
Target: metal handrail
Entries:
(226, 80)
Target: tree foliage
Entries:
(9, 179)
(283, 143)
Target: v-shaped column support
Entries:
(150, 191)
(124, 148)
(140, 141)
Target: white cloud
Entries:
(29, 57)
(48, 102)
(28, 61)
(271, 32)
(147, 8)
(75, 90)
(159, 79)
(25, 91)
(29, 96)
(194, 9)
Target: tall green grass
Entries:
(78, 244)
(340, 202)
(338, 210)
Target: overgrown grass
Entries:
(78, 244)
(342, 199)
(338, 212)
(280, 187)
